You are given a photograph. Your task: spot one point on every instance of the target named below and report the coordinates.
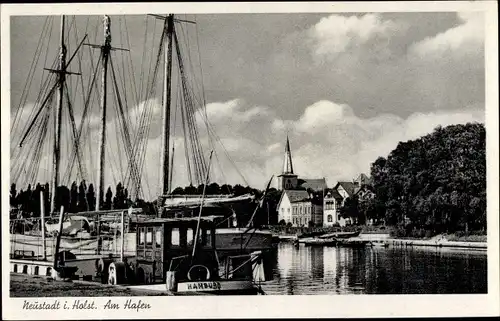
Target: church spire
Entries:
(287, 162)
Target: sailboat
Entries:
(84, 232)
(231, 237)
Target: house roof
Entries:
(334, 193)
(316, 184)
(296, 195)
(349, 187)
(362, 178)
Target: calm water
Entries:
(331, 270)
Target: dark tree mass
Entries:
(436, 183)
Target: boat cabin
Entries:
(164, 244)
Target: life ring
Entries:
(197, 273)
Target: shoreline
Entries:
(398, 242)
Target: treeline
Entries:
(77, 198)
(81, 198)
(216, 189)
(431, 185)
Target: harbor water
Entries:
(394, 270)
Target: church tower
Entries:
(287, 179)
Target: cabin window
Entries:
(330, 218)
(190, 236)
(141, 236)
(175, 237)
(149, 236)
(209, 238)
(158, 238)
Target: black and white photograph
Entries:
(322, 151)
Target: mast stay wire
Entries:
(29, 77)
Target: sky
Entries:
(345, 87)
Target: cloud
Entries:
(321, 114)
(343, 149)
(464, 39)
(233, 109)
(337, 34)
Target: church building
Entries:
(301, 199)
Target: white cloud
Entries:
(233, 110)
(321, 114)
(337, 34)
(466, 38)
(341, 149)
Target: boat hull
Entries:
(226, 287)
(235, 239)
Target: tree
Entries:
(62, 198)
(190, 190)
(73, 203)
(119, 201)
(213, 189)
(436, 183)
(178, 191)
(91, 197)
(239, 190)
(82, 198)
(351, 210)
(46, 197)
(226, 189)
(13, 195)
(108, 202)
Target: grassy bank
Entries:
(22, 285)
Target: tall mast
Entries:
(57, 136)
(167, 89)
(105, 50)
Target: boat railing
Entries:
(180, 259)
(197, 196)
(230, 273)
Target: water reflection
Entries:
(331, 270)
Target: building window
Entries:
(158, 237)
(141, 236)
(149, 236)
(330, 219)
(288, 210)
(301, 210)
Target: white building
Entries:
(299, 208)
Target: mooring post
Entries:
(42, 225)
(58, 239)
(122, 249)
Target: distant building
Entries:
(332, 202)
(298, 207)
(289, 180)
(300, 202)
(335, 198)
